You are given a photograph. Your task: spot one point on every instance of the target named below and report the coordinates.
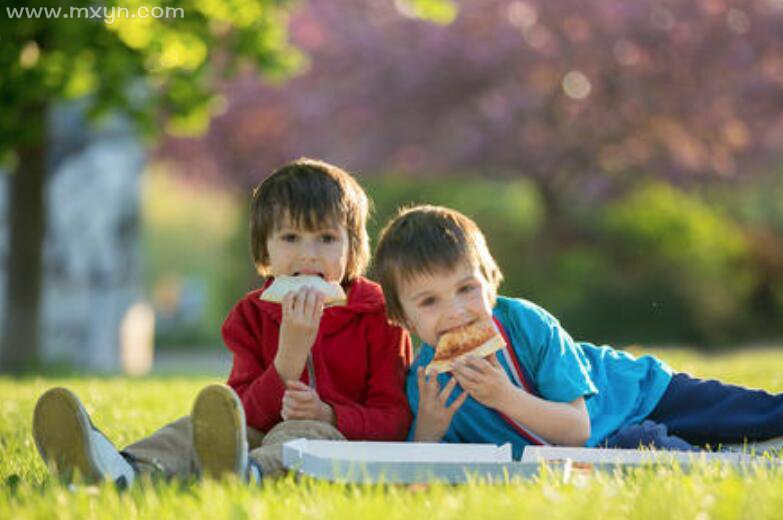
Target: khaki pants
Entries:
(169, 451)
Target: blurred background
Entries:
(624, 159)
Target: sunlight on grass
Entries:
(129, 409)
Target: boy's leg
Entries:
(270, 455)
(647, 434)
(220, 436)
(213, 440)
(69, 443)
(167, 452)
(711, 412)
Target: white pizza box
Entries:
(403, 462)
(366, 451)
(631, 457)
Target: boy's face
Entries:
(294, 250)
(436, 303)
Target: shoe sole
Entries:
(61, 429)
(218, 431)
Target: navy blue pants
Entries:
(710, 412)
(702, 412)
(699, 412)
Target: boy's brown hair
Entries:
(425, 240)
(310, 192)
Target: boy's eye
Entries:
(426, 302)
(466, 288)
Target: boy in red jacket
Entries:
(300, 369)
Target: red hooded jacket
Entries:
(359, 361)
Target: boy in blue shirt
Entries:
(543, 388)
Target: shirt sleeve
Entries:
(561, 370)
(259, 386)
(384, 415)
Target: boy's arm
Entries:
(384, 415)
(561, 375)
(563, 423)
(259, 387)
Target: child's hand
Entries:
(485, 380)
(302, 311)
(433, 416)
(302, 402)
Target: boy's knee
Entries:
(307, 429)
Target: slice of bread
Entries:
(282, 285)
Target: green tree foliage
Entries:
(155, 61)
(156, 69)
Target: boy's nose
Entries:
(456, 312)
(308, 250)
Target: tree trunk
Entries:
(27, 223)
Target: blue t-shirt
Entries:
(618, 388)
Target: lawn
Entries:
(128, 409)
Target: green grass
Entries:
(129, 409)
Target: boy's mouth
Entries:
(309, 273)
(450, 329)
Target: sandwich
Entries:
(333, 291)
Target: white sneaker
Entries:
(220, 434)
(70, 444)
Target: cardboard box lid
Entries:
(361, 451)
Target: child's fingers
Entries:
(285, 409)
(307, 298)
(315, 305)
(493, 360)
(297, 301)
(318, 308)
(475, 363)
(482, 367)
(427, 381)
(290, 413)
(293, 409)
(466, 375)
(296, 415)
(288, 302)
(420, 380)
(453, 407)
(468, 364)
(302, 397)
(432, 386)
(443, 396)
(465, 383)
(293, 384)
